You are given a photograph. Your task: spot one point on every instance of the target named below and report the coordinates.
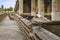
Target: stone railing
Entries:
(33, 30)
(2, 16)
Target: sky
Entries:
(7, 3)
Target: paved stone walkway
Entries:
(9, 30)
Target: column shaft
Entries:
(33, 8)
(55, 10)
(20, 6)
(41, 7)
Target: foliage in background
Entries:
(6, 9)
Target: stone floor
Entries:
(9, 30)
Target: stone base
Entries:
(41, 13)
(55, 16)
(33, 13)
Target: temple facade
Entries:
(48, 8)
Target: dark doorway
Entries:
(48, 6)
(26, 6)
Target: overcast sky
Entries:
(8, 3)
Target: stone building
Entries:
(42, 7)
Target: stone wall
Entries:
(53, 28)
(2, 16)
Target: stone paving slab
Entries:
(9, 30)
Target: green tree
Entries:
(10, 9)
(2, 6)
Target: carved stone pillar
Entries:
(33, 8)
(41, 7)
(55, 10)
(20, 6)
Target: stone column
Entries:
(41, 7)
(20, 6)
(17, 6)
(55, 10)
(33, 8)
